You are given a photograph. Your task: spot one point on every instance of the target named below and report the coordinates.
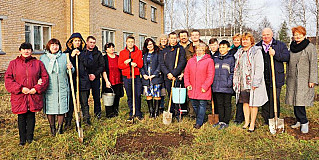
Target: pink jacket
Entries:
(200, 75)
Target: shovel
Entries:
(275, 124)
(167, 116)
(75, 101)
(213, 118)
(133, 91)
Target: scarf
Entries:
(53, 60)
(295, 48)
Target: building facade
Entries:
(37, 21)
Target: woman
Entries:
(56, 98)
(21, 80)
(248, 80)
(302, 75)
(198, 78)
(236, 44)
(162, 44)
(152, 77)
(112, 78)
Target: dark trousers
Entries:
(215, 105)
(174, 108)
(84, 96)
(95, 86)
(26, 123)
(138, 91)
(239, 113)
(223, 103)
(112, 111)
(268, 108)
(300, 113)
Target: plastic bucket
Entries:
(108, 98)
(179, 95)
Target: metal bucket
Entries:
(179, 95)
(108, 98)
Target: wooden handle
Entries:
(213, 106)
(77, 83)
(133, 90)
(274, 84)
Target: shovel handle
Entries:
(133, 90)
(170, 97)
(274, 84)
(213, 107)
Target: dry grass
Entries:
(100, 138)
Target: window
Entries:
(108, 3)
(107, 37)
(125, 35)
(142, 39)
(37, 35)
(153, 14)
(127, 6)
(142, 9)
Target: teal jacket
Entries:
(56, 98)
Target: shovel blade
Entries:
(167, 117)
(275, 127)
(213, 118)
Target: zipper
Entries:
(26, 69)
(58, 93)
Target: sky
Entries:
(273, 10)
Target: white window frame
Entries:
(141, 42)
(104, 38)
(127, 6)
(32, 25)
(125, 35)
(153, 15)
(108, 3)
(142, 9)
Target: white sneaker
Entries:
(305, 128)
(295, 125)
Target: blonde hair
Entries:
(158, 42)
(247, 35)
(237, 35)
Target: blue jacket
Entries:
(155, 69)
(282, 55)
(224, 71)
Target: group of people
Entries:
(215, 72)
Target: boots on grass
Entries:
(60, 129)
(305, 128)
(150, 107)
(157, 104)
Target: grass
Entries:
(100, 138)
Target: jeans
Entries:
(138, 91)
(26, 123)
(95, 86)
(200, 110)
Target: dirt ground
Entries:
(153, 145)
(313, 130)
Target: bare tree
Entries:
(189, 12)
(169, 15)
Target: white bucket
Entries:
(108, 98)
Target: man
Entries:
(95, 71)
(183, 38)
(190, 49)
(213, 46)
(278, 49)
(75, 44)
(132, 56)
(168, 58)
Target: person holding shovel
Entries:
(112, 78)
(152, 77)
(248, 80)
(302, 75)
(198, 78)
(21, 80)
(131, 58)
(171, 55)
(57, 96)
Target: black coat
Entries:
(282, 55)
(98, 64)
(167, 59)
(155, 69)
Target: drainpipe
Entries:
(71, 16)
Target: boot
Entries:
(157, 104)
(295, 125)
(88, 122)
(53, 130)
(150, 107)
(305, 128)
(108, 111)
(60, 129)
(67, 124)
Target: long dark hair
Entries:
(145, 50)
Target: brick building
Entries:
(37, 21)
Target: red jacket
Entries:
(200, 75)
(21, 73)
(136, 57)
